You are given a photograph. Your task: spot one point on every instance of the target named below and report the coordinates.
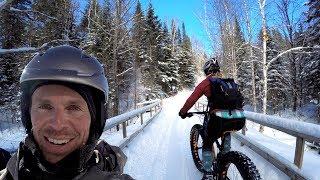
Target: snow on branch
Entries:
(31, 49)
(124, 72)
(32, 11)
(291, 50)
(4, 3)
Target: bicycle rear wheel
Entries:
(238, 162)
(196, 146)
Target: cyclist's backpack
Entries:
(225, 95)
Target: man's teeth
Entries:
(58, 141)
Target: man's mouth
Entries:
(58, 141)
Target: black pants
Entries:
(216, 126)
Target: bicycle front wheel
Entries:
(236, 165)
(196, 146)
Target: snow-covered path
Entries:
(162, 150)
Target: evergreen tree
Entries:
(168, 72)
(313, 20)
(91, 29)
(278, 84)
(139, 47)
(178, 37)
(153, 50)
(243, 66)
(187, 68)
(13, 35)
(313, 37)
(58, 24)
(139, 35)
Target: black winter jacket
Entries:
(104, 162)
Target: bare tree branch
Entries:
(290, 50)
(5, 4)
(32, 11)
(124, 72)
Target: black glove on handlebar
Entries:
(182, 115)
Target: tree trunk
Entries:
(264, 60)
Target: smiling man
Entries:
(64, 94)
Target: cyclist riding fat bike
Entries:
(214, 128)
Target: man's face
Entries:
(60, 121)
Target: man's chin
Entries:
(53, 153)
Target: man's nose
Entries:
(57, 120)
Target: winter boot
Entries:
(227, 143)
(207, 160)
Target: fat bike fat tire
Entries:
(194, 137)
(243, 163)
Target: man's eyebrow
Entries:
(74, 101)
(42, 100)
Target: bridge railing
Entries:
(301, 130)
(152, 109)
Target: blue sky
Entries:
(182, 11)
(188, 11)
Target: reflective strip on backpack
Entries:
(226, 115)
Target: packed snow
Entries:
(162, 150)
(149, 158)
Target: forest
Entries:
(270, 47)
(143, 58)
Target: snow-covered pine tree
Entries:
(173, 66)
(313, 34)
(153, 33)
(106, 43)
(57, 24)
(187, 61)
(140, 48)
(90, 25)
(278, 84)
(243, 69)
(13, 34)
(178, 37)
(163, 78)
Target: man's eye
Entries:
(73, 108)
(45, 106)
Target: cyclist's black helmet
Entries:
(211, 66)
(68, 66)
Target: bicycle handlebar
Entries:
(190, 114)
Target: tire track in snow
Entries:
(162, 151)
(146, 152)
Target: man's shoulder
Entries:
(112, 157)
(110, 163)
(204, 83)
(10, 172)
(96, 173)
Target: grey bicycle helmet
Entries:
(211, 66)
(66, 65)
